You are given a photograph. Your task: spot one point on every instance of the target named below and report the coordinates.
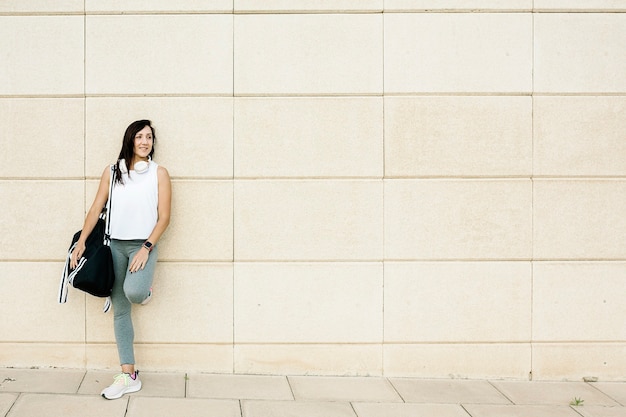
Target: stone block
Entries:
(457, 302)
(458, 53)
(42, 6)
(42, 137)
(578, 300)
(309, 359)
(44, 55)
(580, 5)
(308, 137)
(311, 220)
(458, 360)
(160, 6)
(458, 219)
(457, 5)
(579, 53)
(286, 54)
(307, 6)
(579, 136)
(308, 302)
(142, 54)
(458, 136)
(39, 218)
(579, 219)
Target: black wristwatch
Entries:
(148, 245)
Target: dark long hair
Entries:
(128, 146)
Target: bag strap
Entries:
(65, 276)
(107, 229)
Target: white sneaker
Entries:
(122, 384)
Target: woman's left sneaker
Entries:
(148, 298)
(122, 384)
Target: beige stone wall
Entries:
(361, 187)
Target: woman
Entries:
(140, 213)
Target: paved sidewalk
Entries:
(75, 393)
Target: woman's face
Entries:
(143, 143)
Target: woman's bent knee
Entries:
(136, 297)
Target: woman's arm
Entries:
(165, 205)
(92, 216)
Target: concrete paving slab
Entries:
(601, 411)
(443, 391)
(408, 410)
(249, 387)
(154, 384)
(319, 388)
(6, 402)
(40, 380)
(184, 407)
(615, 390)
(296, 409)
(95, 381)
(552, 393)
(490, 410)
(46, 405)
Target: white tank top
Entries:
(134, 205)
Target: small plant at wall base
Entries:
(577, 402)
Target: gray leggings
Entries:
(128, 289)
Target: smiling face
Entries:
(143, 143)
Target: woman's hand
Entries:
(77, 253)
(139, 260)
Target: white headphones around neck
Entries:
(140, 166)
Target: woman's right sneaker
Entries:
(122, 384)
